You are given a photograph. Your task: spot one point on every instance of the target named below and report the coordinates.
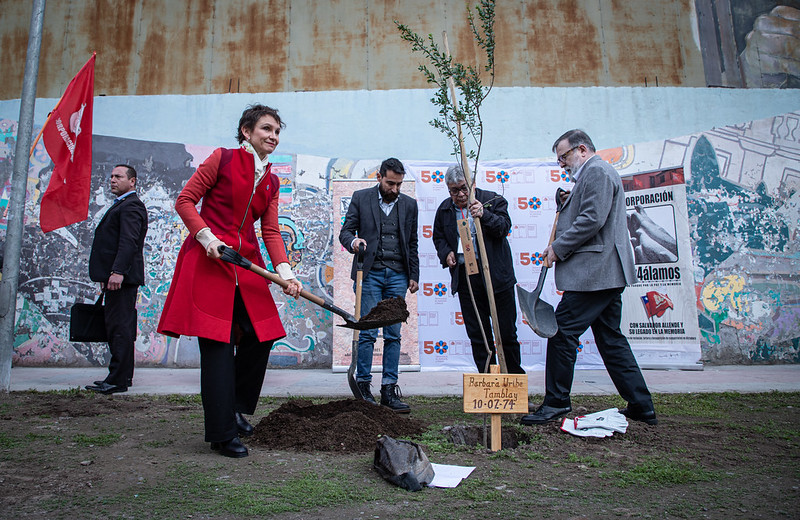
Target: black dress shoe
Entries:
(244, 427)
(232, 448)
(544, 414)
(96, 383)
(648, 417)
(105, 388)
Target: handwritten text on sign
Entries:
(495, 393)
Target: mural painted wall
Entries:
(744, 212)
(750, 43)
(54, 270)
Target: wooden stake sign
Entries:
(495, 393)
(465, 235)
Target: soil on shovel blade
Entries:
(390, 310)
(348, 426)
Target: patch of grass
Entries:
(657, 472)
(436, 441)
(692, 405)
(184, 399)
(158, 444)
(72, 392)
(682, 509)
(768, 429)
(104, 439)
(592, 462)
(208, 494)
(8, 442)
(50, 438)
(534, 455)
(478, 490)
(504, 455)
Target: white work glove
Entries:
(569, 426)
(609, 419)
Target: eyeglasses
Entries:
(458, 189)
(563, 157)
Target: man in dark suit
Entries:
(117, 262)
(492, 209)
(384, 221)
(594, 263)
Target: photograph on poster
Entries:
(653, 235)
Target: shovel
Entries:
(351, 380)
(539, 314)
(397, 315)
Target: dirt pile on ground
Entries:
(346, 426)
(390, 310)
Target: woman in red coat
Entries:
(228, 308)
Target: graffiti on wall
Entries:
(54, 269)
(743, 196)
(750, 43)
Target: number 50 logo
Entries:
(497, 176)
(529, 202)
(428, 176)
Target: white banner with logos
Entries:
(659, 314)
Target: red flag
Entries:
(67, 136)
(656, 304)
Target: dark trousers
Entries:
(506, 304)
(602, 311)
(231, 375)
(120, 315)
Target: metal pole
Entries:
(16, 206)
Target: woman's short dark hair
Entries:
(250, 117)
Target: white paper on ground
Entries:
(447, 476)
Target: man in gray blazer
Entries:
(384, 221)
(593, 264)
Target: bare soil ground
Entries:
(78, 455)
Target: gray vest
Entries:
(389, 254)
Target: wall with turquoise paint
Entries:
(740, 149)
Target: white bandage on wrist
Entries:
(205, 237)
(284, 270)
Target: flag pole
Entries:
(16, 205)
(41, 130)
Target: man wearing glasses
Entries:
(593, 264)
(492, 209)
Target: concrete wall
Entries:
(519, 122)
(189, 47)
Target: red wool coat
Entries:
(200, 299)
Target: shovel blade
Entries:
(539, 314)
(370, 324)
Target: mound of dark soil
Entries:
(348, 425)
(387, 311)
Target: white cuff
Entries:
(205, 237)
(284, 270)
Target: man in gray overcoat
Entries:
(593, 264)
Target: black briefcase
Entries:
(87, 321)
